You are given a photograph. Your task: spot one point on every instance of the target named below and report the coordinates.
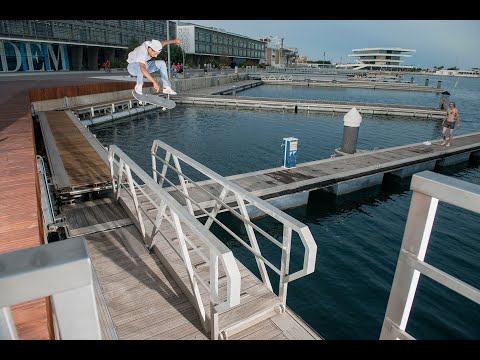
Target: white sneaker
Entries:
(138, 89)
(168, 90)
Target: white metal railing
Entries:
(61, 270)
(235, 199)
(428, 189)
(124, 171)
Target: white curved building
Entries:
(380, 58)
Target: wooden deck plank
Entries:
(100, 227)
(59, 174)
(106, 324)
(293, 327)
(251, 329)
(82, 159)
(146, 328)
(146, 294)
(264, 333)
(131, 240)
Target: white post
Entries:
(169, 65)
(8, 331)
(77, 314)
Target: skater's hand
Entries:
(156, 87)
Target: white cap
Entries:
(352, 118)
(155, 45)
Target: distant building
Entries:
(62, 45)
(379, 59)
(203, 44)
(302, 59)
(276, 54)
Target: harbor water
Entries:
(358, 235)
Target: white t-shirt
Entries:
(139, 54)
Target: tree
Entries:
(132, 44)
(176, 54)
(224, 60)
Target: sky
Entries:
(448, 43)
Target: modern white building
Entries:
(379, 58)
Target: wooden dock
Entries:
(20, 209)
(359, 84)
(332, 172)
(142, 295)
(324, 173)
(229, 95)
(217, 96)
(77, 163)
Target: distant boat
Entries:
(462, 73)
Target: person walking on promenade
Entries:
(449, 123)
(140, 66)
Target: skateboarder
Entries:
(139, 66)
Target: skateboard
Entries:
(155, 100)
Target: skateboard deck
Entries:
(155, 100)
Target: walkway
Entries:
(20, 217)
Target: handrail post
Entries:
(214, 328)
(285, 265)
(415, 240)
(8, 331)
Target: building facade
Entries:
(379, 59)
(277, 55)
(64, 45)
(207, 45)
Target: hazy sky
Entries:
(445, 43)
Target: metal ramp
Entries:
(228, 297)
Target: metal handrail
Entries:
(241, 196)
(177, 216)
(62, 270)
(428, 189)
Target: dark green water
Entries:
(358, 235)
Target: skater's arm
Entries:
(145, 72)
(168, 42)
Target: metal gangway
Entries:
(428, 189)
(166, 209)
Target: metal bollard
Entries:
(351, 124)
